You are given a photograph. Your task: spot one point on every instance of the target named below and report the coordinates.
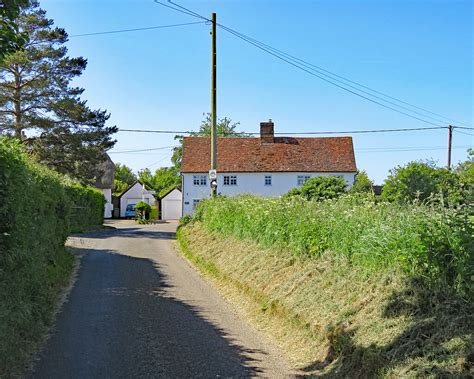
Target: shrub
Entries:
(431, 242)
(321, 187)
(422, 181)
(362, 184)
(87, 206)
(143, 211)
(154, 213)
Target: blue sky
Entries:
(418, 51)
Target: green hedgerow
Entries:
(431, 242)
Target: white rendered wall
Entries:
(172, 205)
(108, 208)
(135, 193)
(250, 183)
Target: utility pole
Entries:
(450, 142)
(214, 108)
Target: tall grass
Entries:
(428, 242)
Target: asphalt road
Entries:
(137, 309)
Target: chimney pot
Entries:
(267, 132)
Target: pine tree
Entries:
(39, 106)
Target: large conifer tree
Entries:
(39, 105)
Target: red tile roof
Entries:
(234, 154)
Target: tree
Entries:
(162, 180)
(225, 128)
(145, 176)
(421, 181)
(125, 174)
(362, 183)
(124, 177)
(11, 39)
(39, 106)
(320, 188)
(165, 178)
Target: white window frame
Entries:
(267, 180)
(302, 179)
(199, 180)
(230, 180)
(195, 203)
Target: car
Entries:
(130, 211)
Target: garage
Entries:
(171, 205)
(135, 193)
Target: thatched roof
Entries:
(105, 179)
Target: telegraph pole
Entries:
(214, 107)
(450, 142)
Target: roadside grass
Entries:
(348, 287)
(333, 319)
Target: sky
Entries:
(419, 51)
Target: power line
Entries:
(292, 63)
(136, 29)
(141, 150)
(396, 149)
(333, 76)
(310, 68)
(467, 134)
(295, 133)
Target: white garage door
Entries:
(171, 209)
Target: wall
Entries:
(171, 205)
(108, 208)
(135, 193)
(251, 183)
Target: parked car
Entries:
(130, 211)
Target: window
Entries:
(199, 180)
(230, 180)
(268, 180)
(302, 179)
(195, 203)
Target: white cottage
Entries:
(135, 193)
(265, 165)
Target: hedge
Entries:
(87, 207)
(37, 210)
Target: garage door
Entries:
(171, 209)
(133, 201)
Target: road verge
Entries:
(331, 318)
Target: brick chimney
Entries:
(267, 132)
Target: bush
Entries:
(142, 211)
(422, 181)
(154, 213)
(320, 187)
(434, 243)
(87, 206)
(362, 184)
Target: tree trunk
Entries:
(17, 105)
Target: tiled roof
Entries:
(285, 154)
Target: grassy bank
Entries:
(349, 314)
(36, 217)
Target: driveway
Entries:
(137, 309)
